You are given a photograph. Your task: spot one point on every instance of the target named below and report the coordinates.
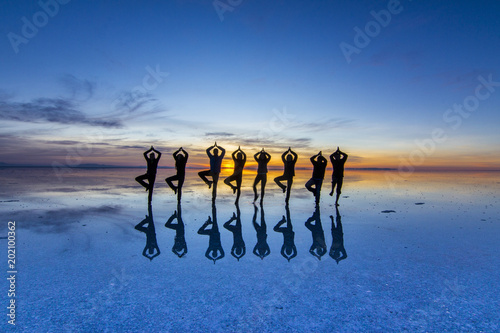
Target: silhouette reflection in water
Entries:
(239, 159)
(180, 247)
(288, 250)
(151, 249)
(337, 251)
(180, 156)
(214, 251)
(261, 249)
(238, 250)
(150, 175)
(318, 247)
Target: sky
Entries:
(394, 84)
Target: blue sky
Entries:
(229, 79)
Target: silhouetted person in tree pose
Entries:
(262, 159)
(239, 159)
(289, 159)
(215, 168)
(151, 249)
(319, 163)
(338, 159)
(318, 247)
(261, 249)
(288, 250)
(180, 247)
(238, 250)
(150, 174)
(338, 240)
(180, 156)
(214, 251)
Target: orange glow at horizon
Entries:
(357, 159)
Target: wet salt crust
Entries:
(81, 268)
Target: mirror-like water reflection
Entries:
(147, 226)
(261, 249)
(238, 250)
(288, 250)
(405, 268)
(180, 246)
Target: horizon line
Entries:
(106, 166)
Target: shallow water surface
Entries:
(419, 253)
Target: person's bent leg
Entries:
(170, 183)
(203, 175)
(309, 186)
(230, 179)
(278, 180)
(140, 180)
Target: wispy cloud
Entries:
(323, 125)
(51, 110)
(276, 142)
(212, 134)
(79, 89)
(463, 80)
(130, 102)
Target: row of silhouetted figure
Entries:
(238, 250)
(216, 155)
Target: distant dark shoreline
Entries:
(10, 166)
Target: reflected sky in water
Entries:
(93, 256)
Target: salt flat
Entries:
(430, 263)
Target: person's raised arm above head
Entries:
(313, 158)
(209, 150)
(256, 156)
(268, 156)
(283, 156)
(176, 153)
(243, 153)
(147, 152)
(294, 154)
(222, 151)
(185, 153)
(157, 152)
(343, 155)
